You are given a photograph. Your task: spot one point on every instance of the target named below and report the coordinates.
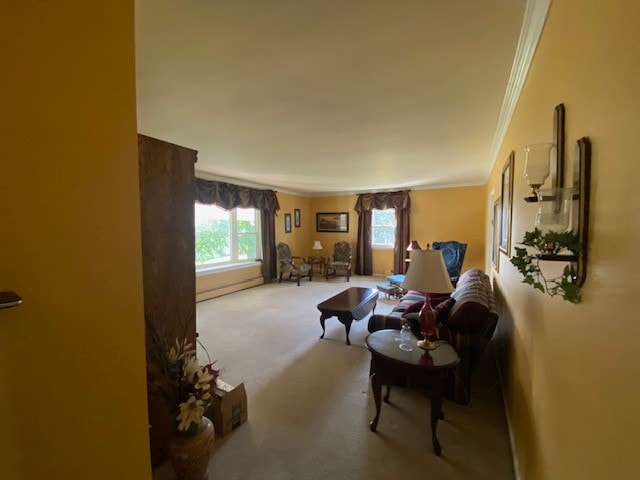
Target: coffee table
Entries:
(423, 370)
(352, 304)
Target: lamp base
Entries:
(426, 344)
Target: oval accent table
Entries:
(419, 369)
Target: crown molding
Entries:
(535, 15)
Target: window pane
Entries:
(383, 223)
(212, 234)
(246, 220)
(383, 236)
(385, 218)
(246, 229)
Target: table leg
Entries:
(323, 317)
(347, 327)
(386, 397)
(436, 414)
(376, 387)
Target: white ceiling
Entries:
(328, 96)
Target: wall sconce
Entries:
(554, 212)
(536, 167)
(560, 234)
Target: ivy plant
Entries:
(549, 243)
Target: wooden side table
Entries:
(423, 370)
(320, 261)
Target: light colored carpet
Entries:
(310, 401)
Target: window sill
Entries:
(212, 269)
(381, 247)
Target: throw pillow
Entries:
(414, 307)
(442, 310)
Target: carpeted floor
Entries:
(310, 401)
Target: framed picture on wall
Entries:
(332, 222)
(287, 223)
(495, 248)
(296, 217)
(506, 194)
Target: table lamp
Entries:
(427, 273)
(317, 247)
(413, 245)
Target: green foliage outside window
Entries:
(212, 241)
(246, 240)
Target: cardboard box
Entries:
(229, 407)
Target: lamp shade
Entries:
(316, 245)
(414, 245)
(427, 273)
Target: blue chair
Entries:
(453, 254)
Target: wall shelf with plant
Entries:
(550, 246)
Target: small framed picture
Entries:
(287, 223)
(296, 217)
(495, 249)
(506, 193)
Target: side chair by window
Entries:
(292, 265)
(340, 261)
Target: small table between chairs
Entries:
(320, 261)
(419, 369)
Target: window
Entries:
(225, 237)
(383, 228)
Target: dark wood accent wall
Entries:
(167, 183)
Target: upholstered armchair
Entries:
(340, 261)
(294, 266)
(453, 254)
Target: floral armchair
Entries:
(294, 266)
(340, 261)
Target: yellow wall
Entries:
(337, 203)
(571, 371)
(298, 239)
(445, 214)
(72, 358)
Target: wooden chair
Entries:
(287, 264)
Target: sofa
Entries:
(466, 319)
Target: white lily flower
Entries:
(204, 379)
(190, 411)
(191, 368)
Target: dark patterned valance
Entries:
(383, 200)
(228, 196)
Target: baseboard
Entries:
(219, 290)
(514, 459)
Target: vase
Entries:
(190, 453)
